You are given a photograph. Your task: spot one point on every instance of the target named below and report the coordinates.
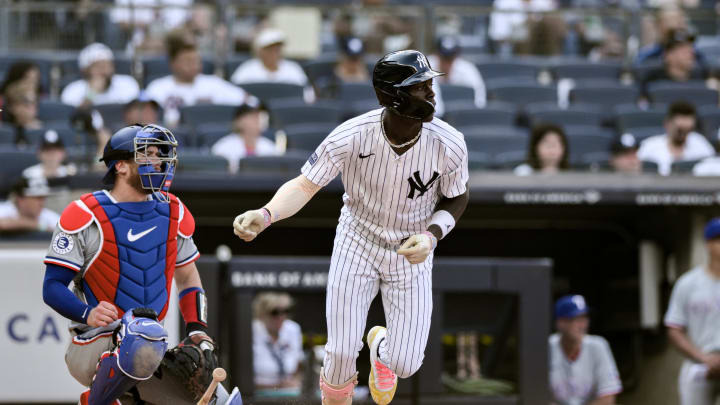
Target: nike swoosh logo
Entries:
(365, 156)
(133, 238)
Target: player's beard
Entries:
(136, 181)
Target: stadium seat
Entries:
(318, 69)
(70, 137)
(350, 92)
(492, 131)
(522, 95)
(44, 66)
(696, 95)
(510, 159)
(267, 92)
(453, 93)
(195, 115)
(572, 131)
(683, 166)
(496, 114)
(642, 70)
(479, 161)
(574, 115)
(232, 63)
(491, 70)
(201, 161)
(494, 145)
(288, 163)
(113, 114)
(290, 113)
(642, 133)
(7, 136)
(629, 116)
(585, 71)
(604, 95)
(15, 161)
(160, 66)
(54, 111)
(709, 124)
(581, 145)
(209, 133)
(306, 137)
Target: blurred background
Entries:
(592, 128)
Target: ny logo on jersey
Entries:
(416, 183)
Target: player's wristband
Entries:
(433, 239)
(193, 306)
(267, 215)
(444, 220)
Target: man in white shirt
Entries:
(582, 367)
(460, 71)
(51, 155)
(680, 141)
(187, 86)
(709, 166)
(692, 321)
(246, 138)
(269, 66)
(25, 211)
(100, 84)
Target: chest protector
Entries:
(135, 264)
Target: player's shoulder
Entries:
(124, 80)
(595, 341)
(446, 134)
(160, 84)
(75, 217)
(186, 221)
(356, 125)
(691, 278)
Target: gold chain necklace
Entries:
(402, 145)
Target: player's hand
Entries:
(103, 314)
(249, 224)
(712, 361)
(417, 248)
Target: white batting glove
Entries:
(417, 248)
(250, 223)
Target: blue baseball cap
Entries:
(570, 306)
(712, 229)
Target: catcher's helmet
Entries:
(396, 71)
(130, 143)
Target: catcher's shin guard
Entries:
(142, 342)
(337, 394)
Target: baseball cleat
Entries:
(382, 381)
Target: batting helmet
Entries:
(130, 143)
(396, 71)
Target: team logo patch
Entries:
(313, 158)
(63, 243)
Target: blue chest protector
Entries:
(141, 234)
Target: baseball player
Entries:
(693, 321)
(405, 175)
(582, 367)
(122, 247)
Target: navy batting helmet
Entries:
(131, 143)
(396, 71)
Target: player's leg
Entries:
(693, 386)
(353, 282)
(84, 351)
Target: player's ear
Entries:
(122, 167)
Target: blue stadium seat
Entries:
(15, 161)
(629, 116)
(350, 92)
(160, 66)
(667, 94)
(306, 137)
(291, 162)
(495, 145)
(493, 131)
(683, 166)
(574, 115)
(642, 133)
(709, 121)
(201, 162)
(509, 160)
(209, 133)
(522, 95)
(54, 111)
(479, 161)
(70, 137)
(195, 115)
(587, 70)
(232, 63)
(452, 93)
(493, 69)
(604, 95)
(318, 69)
(7, 136)
(291, 113)
(581, 145)
(595, 130)
(496, 114)
(113, 114)
(269, 92)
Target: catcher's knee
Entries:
(142, 343)
(340, 394)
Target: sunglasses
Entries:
(280, 311)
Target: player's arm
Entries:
(679, 338)
(288, 200)
(193, 304)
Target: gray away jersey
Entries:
(389, 196)
(695, 306)
(592, 375)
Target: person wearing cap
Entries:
(51, 155)
(186, 85)
(351, 68)
(679, 142)
(142, 109)
(100, 84)
(624, 157)
(246, 138)
(460, 71)
(693, 325)
(269, 66)
(582, 367)
(25, 210)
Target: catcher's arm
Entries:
(287, 201)
(193, 304)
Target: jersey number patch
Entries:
(416, 183)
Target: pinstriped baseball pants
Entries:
(359, 269)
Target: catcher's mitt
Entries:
(192, 363)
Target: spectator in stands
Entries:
(692, 321)
(582, 367)
(624, 155)
(21, 112)
(146, 21)
(667, 19)
(277, 346)
(246, 138)
(710, 166)
(25, 210)
(269, 64)
(509, 22)
(142, 110)
(351, 67)
(100, 84)
(186, 85)
(679, 142)
(51, 155)
(547, 151)
(459, 71)
(21, 74)
(679, 63)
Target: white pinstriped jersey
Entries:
(390, 196)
